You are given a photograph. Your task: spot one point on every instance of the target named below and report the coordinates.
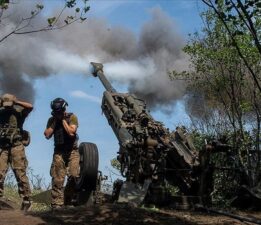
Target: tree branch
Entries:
(250, 26)
(25, 22)
(235, 44)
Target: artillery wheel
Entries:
(89, 161)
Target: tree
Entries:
(25, 24)
(245, 15)
(222, 96)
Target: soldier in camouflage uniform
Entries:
(12, 116)
(63, 127)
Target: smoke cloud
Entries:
(139, 61)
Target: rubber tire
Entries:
(89, 162)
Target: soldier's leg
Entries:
(3, 168)
(58, 173)
(73, 173)
(19, 164)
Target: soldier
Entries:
(12, 151)
(63, 127)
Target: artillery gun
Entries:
(148, 150)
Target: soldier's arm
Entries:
(71, 128)
(26, 105)
(48, 133)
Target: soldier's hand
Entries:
(13, 98)
(9, 98)
(58, 116)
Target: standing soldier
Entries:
(12, 141)
(63, 127)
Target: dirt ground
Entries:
(115, 214)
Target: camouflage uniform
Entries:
(65, 161)
(12, 150)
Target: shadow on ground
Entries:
(109, 214)
(120, 214)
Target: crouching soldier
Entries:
(12, 141)
(63, 127)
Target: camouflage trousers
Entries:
(64, 164)
(15, 156)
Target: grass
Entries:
(11, 193)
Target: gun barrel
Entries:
(98, 72)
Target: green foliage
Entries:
(240, 18)
(220, 75)
(200, 139)
(82, 18)
(40, 7)
(11, 193)
(226, 176)
(76, 12)
(4, 4)
(81, 11)
(115, 164)
(172, 190)
(37, 185)
(251, 7)
(246, 106)
(51, 21)
(226, 184)
(71, 3)
(86, 9)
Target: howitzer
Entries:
(148, 150)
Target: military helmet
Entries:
(58, 105)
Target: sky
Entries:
(84, 92)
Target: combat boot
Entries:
(1, 201)
(26, 204)
(57, 208)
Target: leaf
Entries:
(4, 4)
(229, 8)
(71, 3)
(83, 18)
(223, 15)
(40, 7)
(238, 32)
(77, 10)
(86, 9)
(251, 3)
(228, 3)
(51, 20)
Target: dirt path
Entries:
(15, 217)
(111, 214)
